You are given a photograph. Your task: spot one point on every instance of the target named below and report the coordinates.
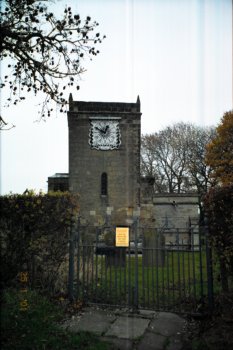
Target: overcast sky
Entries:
(175, 54)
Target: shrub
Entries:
(38, 326)
(219, 209)
(34, 231)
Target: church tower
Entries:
(104, 159)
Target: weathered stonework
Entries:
(176, 215)
(177, 208)
(122, 166)
(58, 182)
(128, 196)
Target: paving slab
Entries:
(175, 343)
(125, 330)
(167, 324)
(147, 313)
(119, 344)
(140, 313)
(128, 327)
(152, 341)
(97, 322)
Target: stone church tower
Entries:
(104, 169)
(104, 159)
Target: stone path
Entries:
(145, 330)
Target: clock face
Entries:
(104, 134)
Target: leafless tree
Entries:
(175, 156)
(42, 53)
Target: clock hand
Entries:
(101, 130)
(106, 129)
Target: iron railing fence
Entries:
(161, 269)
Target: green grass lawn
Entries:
(181, 278)
(36, 327)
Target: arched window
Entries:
(104, 184)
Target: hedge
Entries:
(34, 232)
(219, 210)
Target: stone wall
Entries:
(176, 216)
(122, 166)
(177, 208)
(58, 182)
(126, 191)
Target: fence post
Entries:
(71, 261)
(136, 227)
(209, 267)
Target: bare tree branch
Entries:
(44, 54)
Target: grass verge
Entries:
(179, 281)
(36, 327)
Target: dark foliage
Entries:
(34, 231)
(43, 53)
(219, 210)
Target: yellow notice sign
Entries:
(122, 236)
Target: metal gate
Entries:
(162, 268)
